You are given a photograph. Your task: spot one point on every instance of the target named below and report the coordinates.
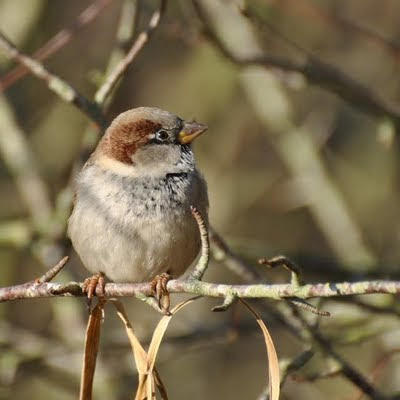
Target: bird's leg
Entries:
(91, 284)
(160, 291)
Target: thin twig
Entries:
(21, 162)
(343, 23)
(50, 274)
(377, 371)
(121, 68)
(150, 301)
(202, 265)
(125, 31)
(333, 372)
(56, 84)
(352, 374)
(316, 71)
(287, 367)
(222, 253)
(285, 262)
(229, 300)
(345, 368)
(58, 41)
(309, 307)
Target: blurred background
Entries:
(296, 164)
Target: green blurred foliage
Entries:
(258, 202)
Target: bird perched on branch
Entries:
(132, 218)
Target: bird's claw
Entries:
(160, 291)
(93, 284)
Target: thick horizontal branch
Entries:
(276, 292)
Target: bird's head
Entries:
(148, 139)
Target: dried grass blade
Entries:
(92, 341)
(156, 340)
(273, 362)
(138, 351)
(151, 393)
(160, 384)
(139, 354)
(160, 331)
(148, 375)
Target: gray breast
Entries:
(124, 199)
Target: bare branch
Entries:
(343, 289)
(340, 22)
(283, 261)
(316, 71)
(229, 300)
(125, 31)
(346, 369)
(121, 68)
(56, 84)
(256, 291)
(20, 160)
(222, 253)
(88, 15)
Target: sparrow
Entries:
(132, 219)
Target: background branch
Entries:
(291, 169)
(122, 67)
(56, 84)
(57, 41)
(314, 70)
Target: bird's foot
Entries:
(93, 284)
(160, 291)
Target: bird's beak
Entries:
(190, 131)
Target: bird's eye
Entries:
(162, 136)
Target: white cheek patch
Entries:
(149, 161)
(117, 166)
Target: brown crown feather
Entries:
(122, 139)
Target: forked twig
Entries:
(285, 262)
(295, 280)
(120, 69)
(56, 84)
(57, 41)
